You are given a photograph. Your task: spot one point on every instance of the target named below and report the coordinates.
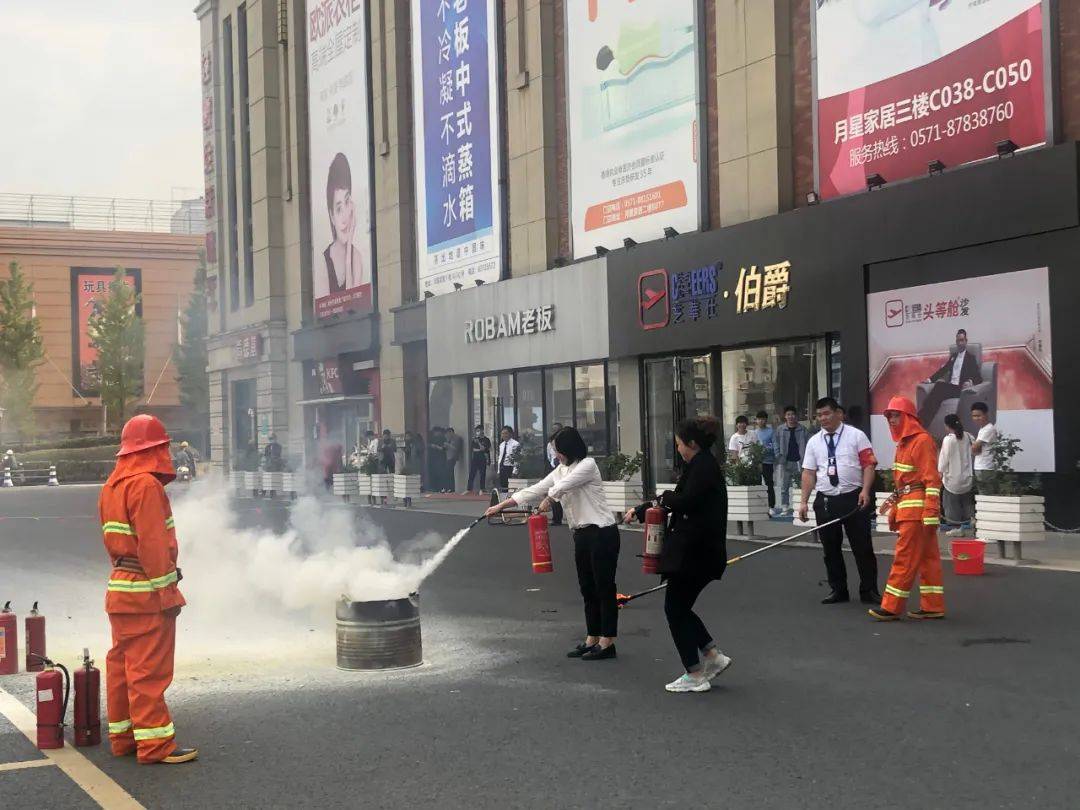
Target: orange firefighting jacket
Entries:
(916, 468)
(137, 522)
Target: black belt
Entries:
(854, 492)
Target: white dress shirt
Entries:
(853, 453)
(553, 460)
(508, 453)
(957, 367)
(580, 490)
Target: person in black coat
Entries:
(694, 551)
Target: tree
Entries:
(116, 331)
(190, 354)
(20, 351)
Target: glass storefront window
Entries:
(530, 405)
(675, 387)
(558, 397)
(590, 396)
(770, 378)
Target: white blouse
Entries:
(580, 490)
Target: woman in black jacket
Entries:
(694, 551)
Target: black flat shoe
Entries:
(599, 653)
(835, 598)
(870, 598)
(580, 650)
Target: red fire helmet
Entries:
(902, 405)
(141, 433)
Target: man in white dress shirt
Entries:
(507, 456)
(839, 463)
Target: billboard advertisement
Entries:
(456, 136)
(632, 115)
(949, 345)
(342, 268)
(89, 287)
(901, 83)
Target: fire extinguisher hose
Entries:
(67, 685)
(624, 598)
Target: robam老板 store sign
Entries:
(670, 299)
(902, 83)
(632, 117)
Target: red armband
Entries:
(867, 458)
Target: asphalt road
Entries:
(822, 708)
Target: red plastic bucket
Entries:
(968, 557)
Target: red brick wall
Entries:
(802, 135)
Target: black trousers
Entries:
(449, 483)
(504, 478)
(478, 467)
(940, 392)
(857, 526)
(687, 630)
(767, 476)
(596, 553)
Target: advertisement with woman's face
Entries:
(338, 118)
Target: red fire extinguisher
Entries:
(52, 701)
(35, 640)
(540, 545)
(9, 641)
(87, 703)
(654, 540)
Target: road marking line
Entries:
(29, 763)
(84, 773)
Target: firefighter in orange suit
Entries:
(914, 512)
(143, 599)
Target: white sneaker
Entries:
(714, 666)
(689, 683)
(957, 532)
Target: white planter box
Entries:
(747, 503)
(363, 485)
(382, 486)
(253, 481)
(345, 485)
(236, 477)
(288, 482)
(881, 522)
(272, 481)
(623, 495)
(795, 499)
(1010, 519)
(406, 487)
(515, 484)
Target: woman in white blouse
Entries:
(955, 466)
(577, 486)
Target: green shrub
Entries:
(746, 470)
(621, 467)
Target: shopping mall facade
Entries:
(749, 207)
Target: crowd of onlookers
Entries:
(964, 460)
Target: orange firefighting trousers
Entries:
(139, 668)
(917, 554)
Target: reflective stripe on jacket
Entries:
(916, 467)
(137, 524)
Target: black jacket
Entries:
(696, 539)
(969, 371)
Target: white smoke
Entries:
(324, 552)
